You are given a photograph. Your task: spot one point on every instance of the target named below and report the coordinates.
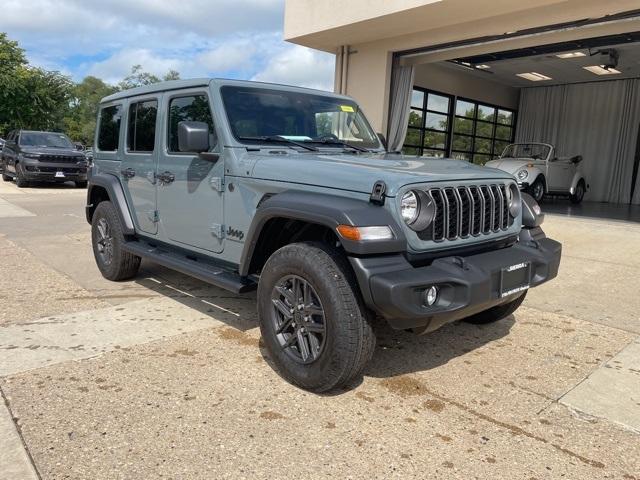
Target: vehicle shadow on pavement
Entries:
(401, 352)
(237, 311)
(398, 352)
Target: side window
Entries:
(141, 133)
(194, 108)
(109, 129)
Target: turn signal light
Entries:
(358, 234)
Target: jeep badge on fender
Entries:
(330, 228)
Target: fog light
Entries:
(431, 295)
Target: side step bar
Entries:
(202, 270)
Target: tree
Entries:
(80, 122)
(30, 97)
(139, 77)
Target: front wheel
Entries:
(107, 239)
(313, 322)
(21, 181)
(578, 195)
(496, 313)
(536, 190)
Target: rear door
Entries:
(140, 159)
(191, 204)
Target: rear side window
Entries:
(141, 134)
(109, 129)
(194, 108)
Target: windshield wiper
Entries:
(278, 138)
(333, 141)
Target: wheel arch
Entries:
(577, 178)
(106, 187)
(300, 216)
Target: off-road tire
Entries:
(496, 313)
(6, 177)
(21, 182)
(579, 195)
(82, 184)
(539, 182)
(350, 340)
(123, 265)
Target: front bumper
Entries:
(523, 185)
(394, 289)
(49, 171)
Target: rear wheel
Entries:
(496, 313)
(313, 322)
(107, 239)
(578, 195)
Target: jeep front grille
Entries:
(59, 158)
(466, 211)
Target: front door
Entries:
(190, 189)
(559, 174)
(139, 162)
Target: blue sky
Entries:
(226, 38)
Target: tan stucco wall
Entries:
(454, 81)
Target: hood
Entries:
(512, 165)
(360, 172)
(69, 152)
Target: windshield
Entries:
(259, 113)
(45, 139)
(535, 151)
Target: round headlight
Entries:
(409, 207)
(522, 174)
(513, 200)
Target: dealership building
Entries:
(463, 79)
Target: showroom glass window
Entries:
(445, 126)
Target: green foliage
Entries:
(37, 99)
(29, 97)
(80, 122)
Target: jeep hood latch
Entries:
(377, 193)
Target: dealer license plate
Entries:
(515, 278)
(59, 174)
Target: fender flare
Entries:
(532, 215)
(534, 174)
(326, 210)
(114, 189)
(574, 183)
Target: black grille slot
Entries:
(468, 210)
(58, 159)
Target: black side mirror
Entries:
(576, 159)
(193, 137)
(382, 140)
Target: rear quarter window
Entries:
(109, 128)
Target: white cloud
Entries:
(296, 65)
(236, 38)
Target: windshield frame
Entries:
(340, 144)
(69, 146)
(539, 144)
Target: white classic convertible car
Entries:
(539, 171)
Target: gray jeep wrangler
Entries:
(289, 191)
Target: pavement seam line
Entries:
(20, 435)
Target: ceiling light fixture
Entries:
(571, 55)
(602, 70)
(533, 76)
(483, 66)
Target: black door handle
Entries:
(128, 173)
(166, 178)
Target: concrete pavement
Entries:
(164, 376)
